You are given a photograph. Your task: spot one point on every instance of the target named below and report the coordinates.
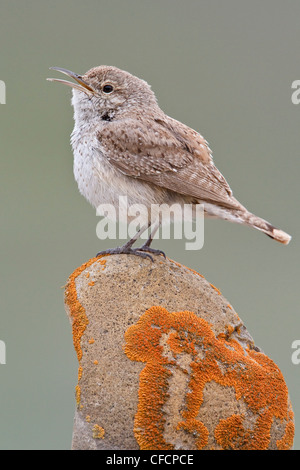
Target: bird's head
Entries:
(106, 91)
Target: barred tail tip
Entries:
(281, 236)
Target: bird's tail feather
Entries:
(265, 227)
(242, 216)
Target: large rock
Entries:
(166, 363)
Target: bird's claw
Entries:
(151, 250)
(125, 251)
(143, 251)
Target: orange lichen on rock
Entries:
(78, 317)
(216, 289)
(286, 442)
(98, 432)
(102, 261)
(77, 394)
(181, 342)
(186, 267)
(77, 312)
(79, 373)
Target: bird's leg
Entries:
(146, 246)
(127, 247)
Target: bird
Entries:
(124, 143)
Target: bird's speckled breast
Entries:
(100, 183)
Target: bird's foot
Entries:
(126, 251)
(148, 249)
(143, 251)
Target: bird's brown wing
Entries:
(167, 155)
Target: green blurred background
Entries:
(224, 68)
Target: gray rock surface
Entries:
(166, 363)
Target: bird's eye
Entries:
(107, 88)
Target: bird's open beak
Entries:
(81, 85)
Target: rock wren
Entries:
(124, 144)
